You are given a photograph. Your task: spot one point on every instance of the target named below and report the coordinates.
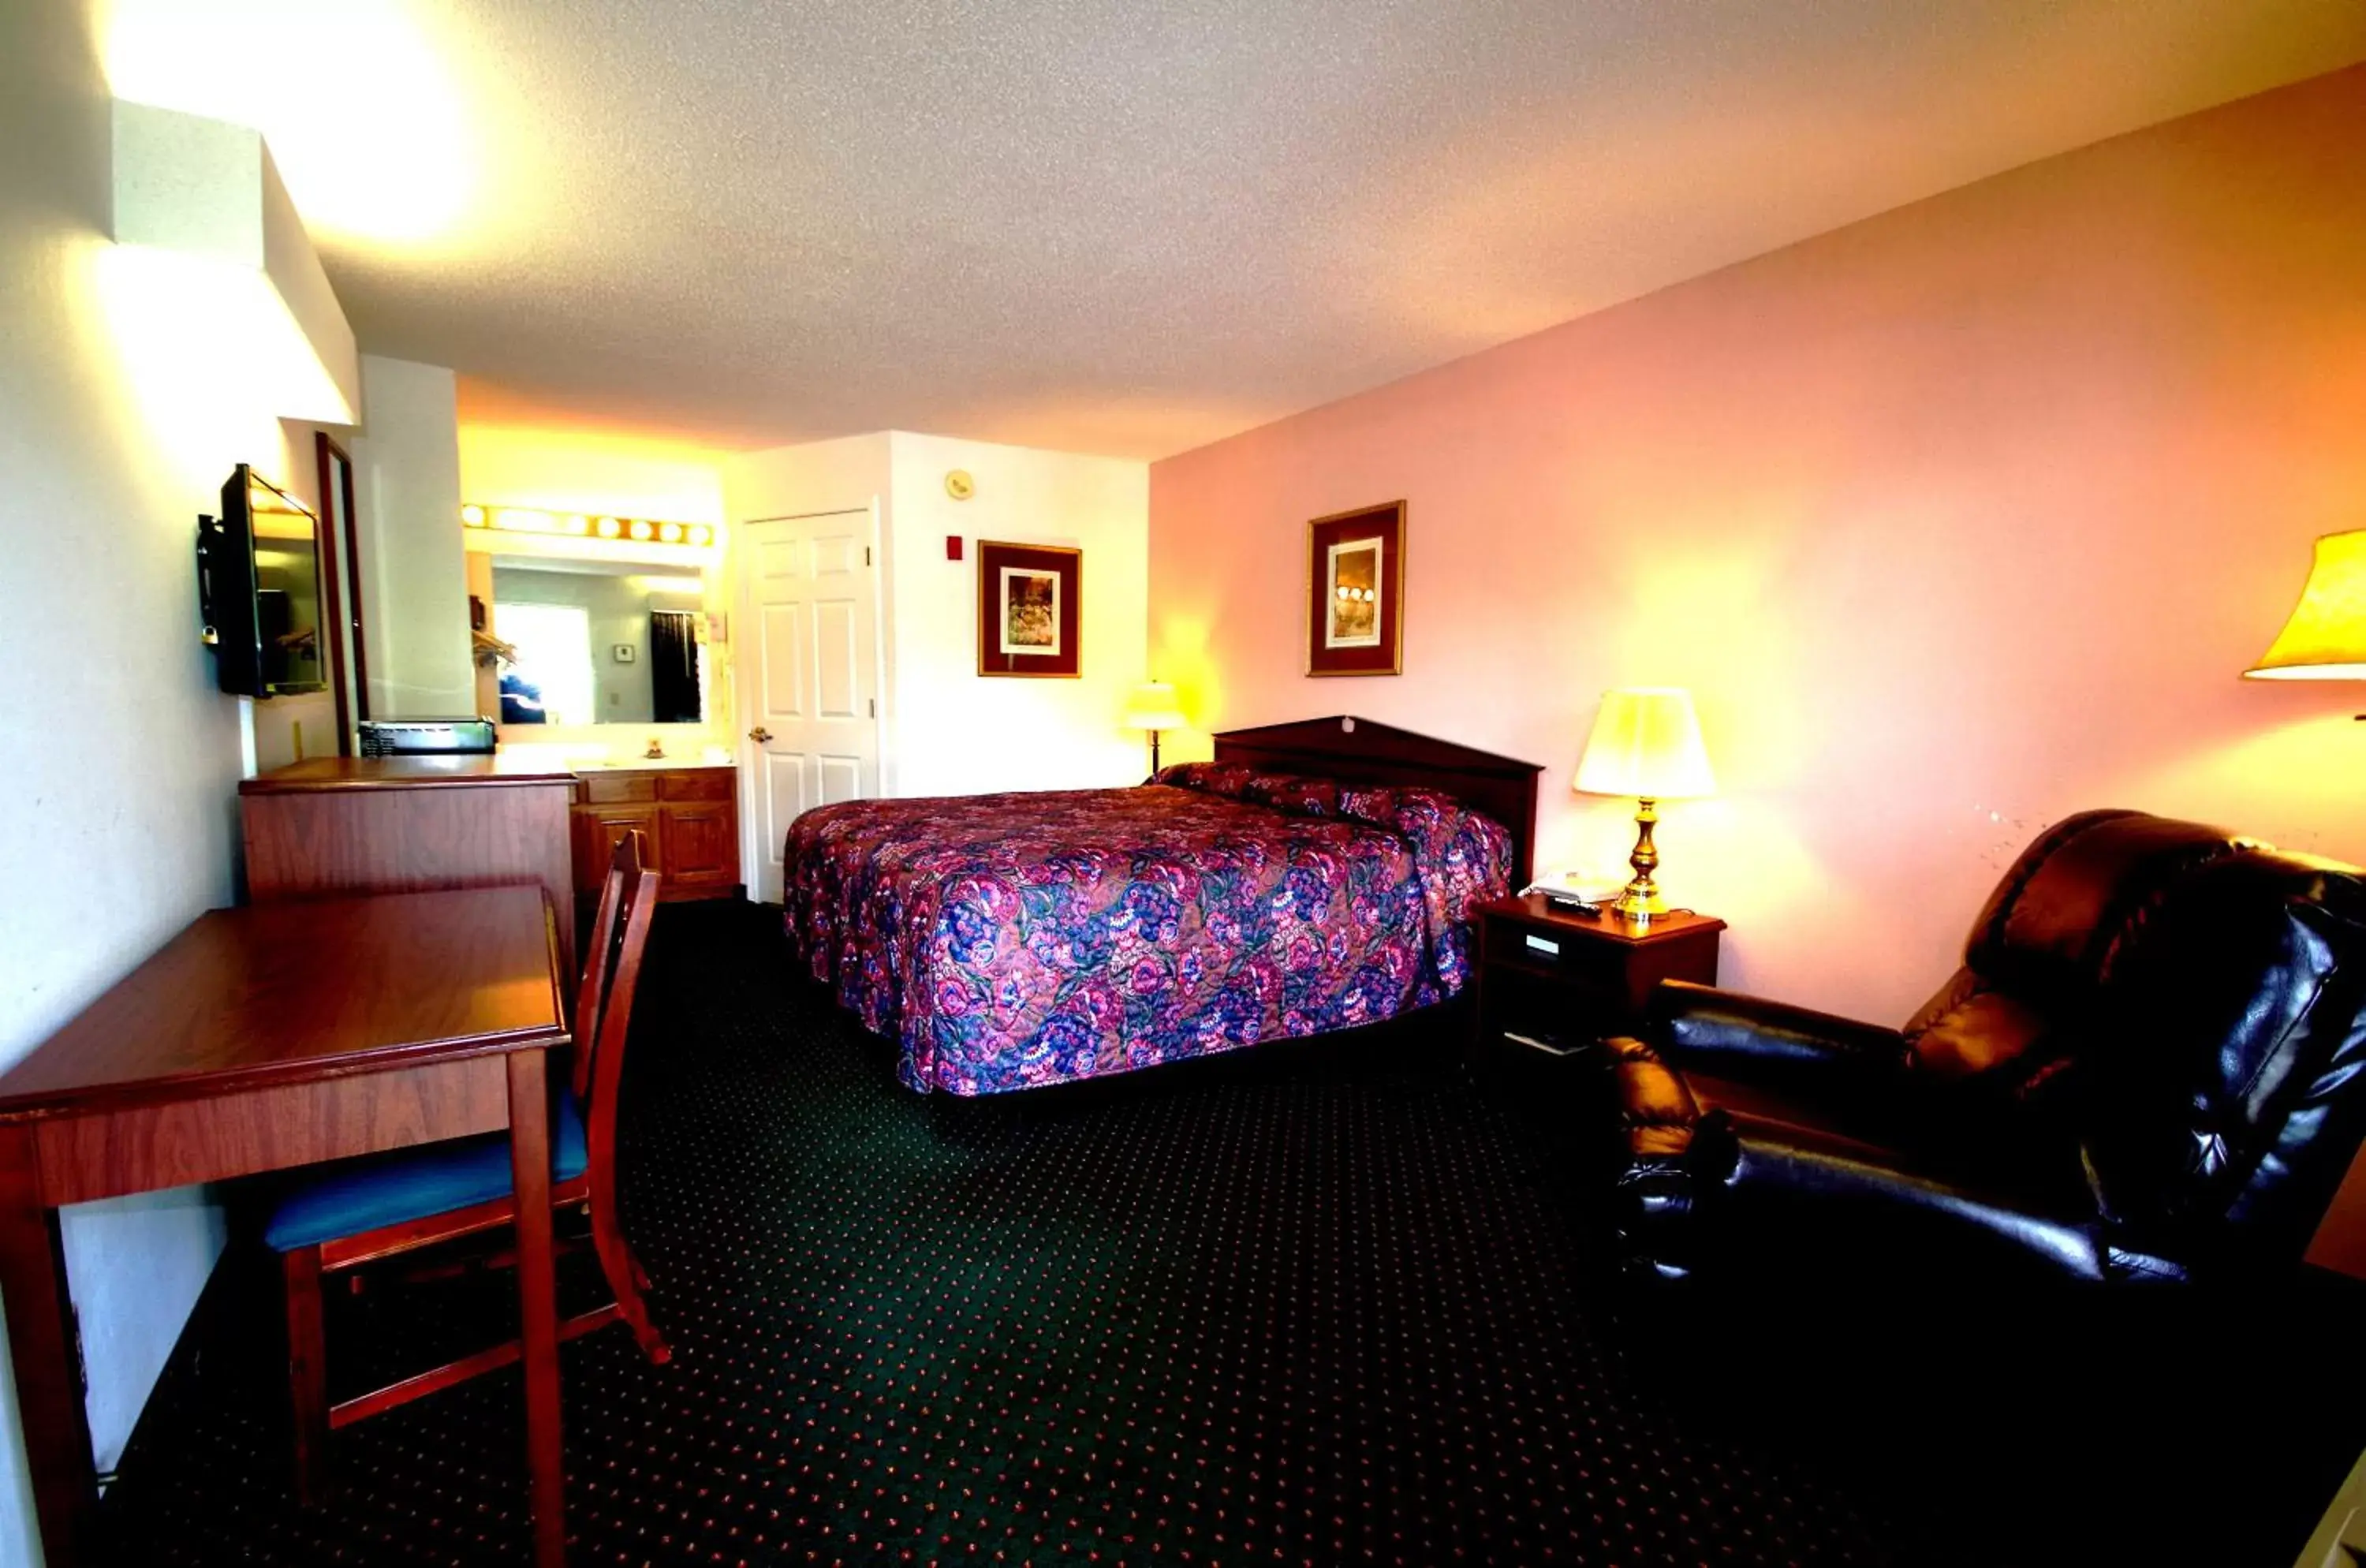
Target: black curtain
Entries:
(673, 667)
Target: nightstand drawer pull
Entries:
(1543, 944)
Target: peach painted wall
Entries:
(1955, 521)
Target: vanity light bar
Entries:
(640, 530)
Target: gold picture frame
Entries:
(1363, 549)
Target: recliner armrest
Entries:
(1660, 1120)
(1732, 1034)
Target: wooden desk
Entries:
(267, 1037)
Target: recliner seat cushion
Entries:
(1818, 1193)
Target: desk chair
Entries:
(340, 1217)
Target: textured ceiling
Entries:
(1112, 226)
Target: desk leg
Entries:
(537, 1302)
(40, 1345)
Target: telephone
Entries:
(1575, 888)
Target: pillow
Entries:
(1294, 794)
(1368, 803)
(1227, 779)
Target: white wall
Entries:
(406, 498)
(124, 760)
(600, 475)
(955, 732)
(949, 730)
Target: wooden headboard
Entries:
(1357, 750)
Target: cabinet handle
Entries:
(760, 734)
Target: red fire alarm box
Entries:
(953, 547)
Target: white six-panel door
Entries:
(808, 661)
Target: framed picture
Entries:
(1029, 610)
(1355, 591)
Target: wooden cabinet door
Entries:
(598, 830)
(701, 848)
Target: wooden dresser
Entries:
(689, 816)
(335, 826)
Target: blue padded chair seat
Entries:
(377, 1191)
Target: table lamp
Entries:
(2325, 636)
(1646, 743)
(1152, 707)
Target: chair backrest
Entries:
(611, 973)
(2050, 933)
(2228, 1079)
(2054, 924)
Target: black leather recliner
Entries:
(2151, 1066)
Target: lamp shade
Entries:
(2325, 638)
(1152, 706)
(1646, 743)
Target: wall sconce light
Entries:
(576, 526)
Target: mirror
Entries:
(341, 543)
(599, 641)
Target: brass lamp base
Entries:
(1641, 902)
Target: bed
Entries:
(1313, 876)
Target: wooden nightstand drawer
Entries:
(1554, 952)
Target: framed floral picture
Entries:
(1029, 610)
(1355, 591)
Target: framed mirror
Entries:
(340, 544)
(597, 642)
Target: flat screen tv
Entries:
(259, 590)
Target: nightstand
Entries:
(1552, 982)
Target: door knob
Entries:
(760, 734)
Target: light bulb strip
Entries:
(585, 525)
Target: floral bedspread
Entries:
(1009, 940)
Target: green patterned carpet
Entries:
(1314, 1304)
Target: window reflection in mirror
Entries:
(287, 592)
(597, 642)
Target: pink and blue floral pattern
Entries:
(1008, 941)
